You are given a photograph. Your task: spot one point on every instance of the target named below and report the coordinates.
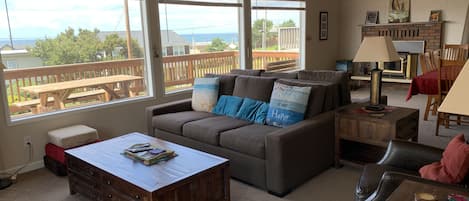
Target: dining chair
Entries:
(455, 52)
(448, 71)
(427, 63)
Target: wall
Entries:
(353, 13)
(465, 38)
(322, 54)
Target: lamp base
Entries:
(377, 107)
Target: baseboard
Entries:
(30, 167)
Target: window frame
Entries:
(148, 74)
(153, 60)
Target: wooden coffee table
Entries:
(408, 188)
(100, 172)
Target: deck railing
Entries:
(178, 70)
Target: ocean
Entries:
(227, 37)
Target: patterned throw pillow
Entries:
(205, 94)
(287, 105)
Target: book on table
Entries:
(148, 154)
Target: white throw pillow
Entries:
(205, 94)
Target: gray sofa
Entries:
(271, 158)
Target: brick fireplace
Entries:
(430, 32)
(410, 40)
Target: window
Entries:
(11, 64)
(203, 35)
(277, 35)
(95, 47)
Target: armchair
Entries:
(402, 160)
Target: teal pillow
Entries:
(287, 105)
(261, 113)
(228, 105)
(253, 111)
(205, 94)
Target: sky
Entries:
(35, 19)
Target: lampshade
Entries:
(456, 100)
(376, 49)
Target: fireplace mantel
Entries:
(430, 32)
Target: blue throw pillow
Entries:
(205, 94)
(261, 113)
(287, 105)
(228, 105)
(253, 111)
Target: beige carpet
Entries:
(331, 185)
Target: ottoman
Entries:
(63, 139)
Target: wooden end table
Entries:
(100, 172)
(353, 123)
(407, 189)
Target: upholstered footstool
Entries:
(65, 138)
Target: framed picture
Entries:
(399, 11)
(372, 17)
(435, 16)
(323, 26)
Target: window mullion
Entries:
(246, 38)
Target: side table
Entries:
(353, 123)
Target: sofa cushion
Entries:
(228, 105)
(257, 88)
(249, 139)
(287, 105)
(317, 97)
(339, 77)
(227, 82)
(205, 94)
(208, 130)
(331, 96)
(173, 122)
(249, 72)
(292, 75)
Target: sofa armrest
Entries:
(296, 153)
(410, 155)
(171, 107)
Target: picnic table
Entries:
(60, 91)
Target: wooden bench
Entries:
(278, 66)
(31, 104)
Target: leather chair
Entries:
(402, 160)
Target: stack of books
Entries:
(148, 154)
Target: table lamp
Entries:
(455, 101)
(376, 49)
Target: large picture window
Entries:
(277, 34)
(70, 54)
(199, 37)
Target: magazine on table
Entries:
(148, 154)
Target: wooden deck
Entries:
(178, 71)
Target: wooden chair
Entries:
(455, 52)
(427, 63)
(448, 71)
